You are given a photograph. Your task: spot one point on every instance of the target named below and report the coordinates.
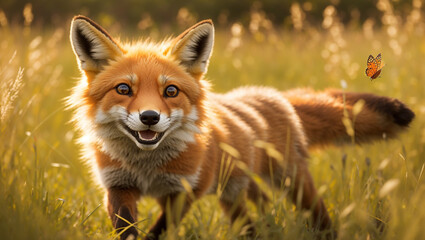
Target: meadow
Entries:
(373, 191)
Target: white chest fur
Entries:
(142, 169)
(155, 184)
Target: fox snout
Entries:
(149, 117)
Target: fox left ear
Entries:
(193, 48)
(92, 45)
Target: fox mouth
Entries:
(146, 136)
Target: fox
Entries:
(151, 126)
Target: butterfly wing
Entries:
(375, 75)
(371, 66)
(378, 60)
(370, 60)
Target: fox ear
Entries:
(92, 44)
(193, 47)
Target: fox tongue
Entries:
(147, 135)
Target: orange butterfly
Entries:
(374, 66)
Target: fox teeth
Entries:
(148, 139)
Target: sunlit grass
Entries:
(372, 192)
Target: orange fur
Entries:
(143, 141)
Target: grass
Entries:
(372, 192)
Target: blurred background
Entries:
(374, 191)
(133, 13)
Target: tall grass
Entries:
(372, 192)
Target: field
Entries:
(374, 191)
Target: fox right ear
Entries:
(193, 48)
(92, 44)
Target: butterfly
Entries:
(374, 66)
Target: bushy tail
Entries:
(322, 114)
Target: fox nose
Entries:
(149, 117)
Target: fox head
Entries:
(146, 92)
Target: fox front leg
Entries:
(173, 207)
(122, 202)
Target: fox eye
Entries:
(123, 89)
(171, 91)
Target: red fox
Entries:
(148, 120)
